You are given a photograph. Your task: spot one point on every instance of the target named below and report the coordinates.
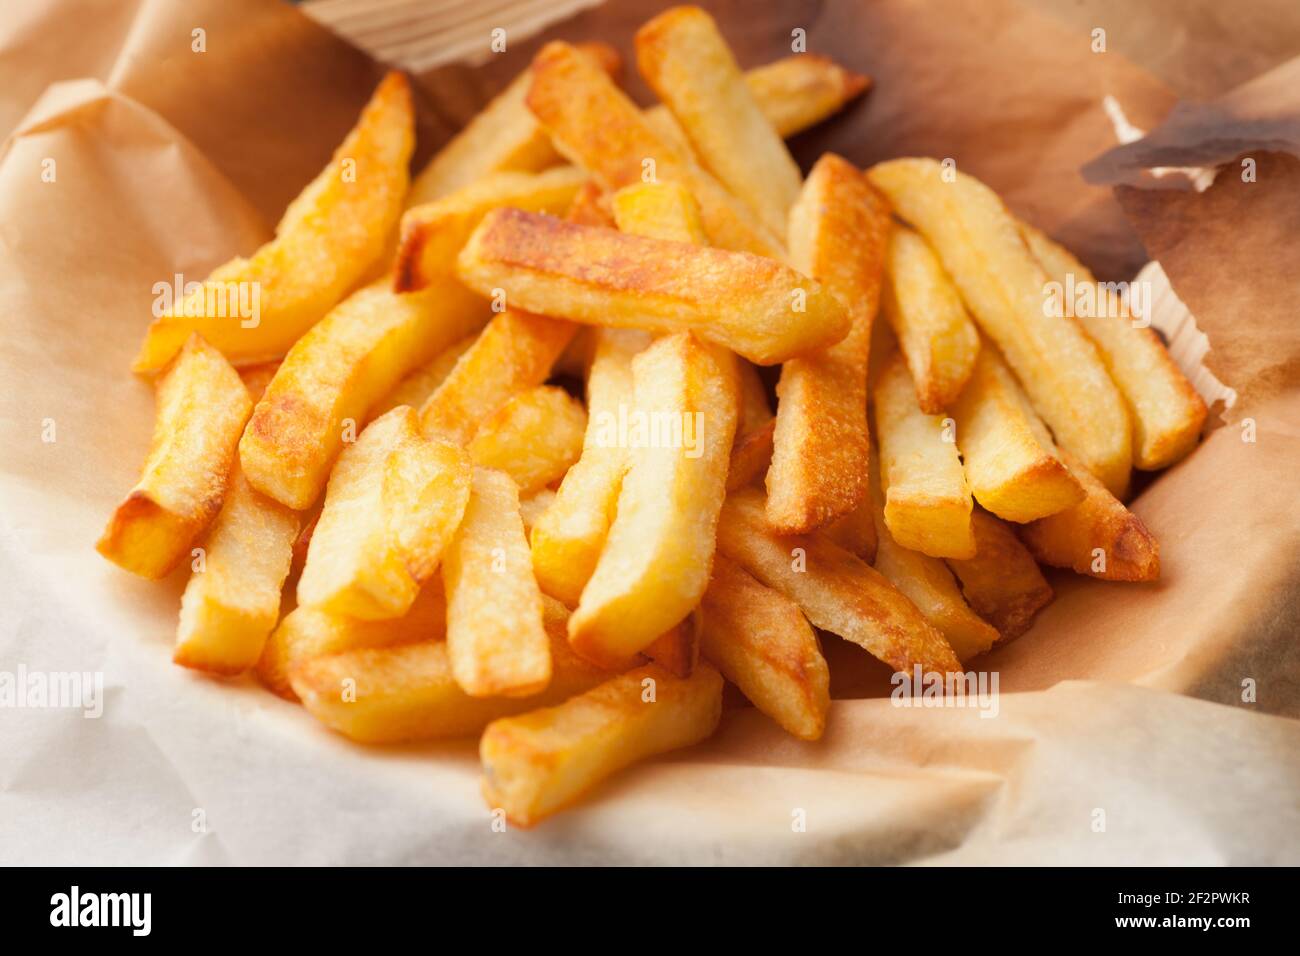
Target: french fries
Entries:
(202, 406)
(799, 91)
(688, 64)
(980, 246)
(538, 763)
(935, 334)
(1009, 457)
(927, 500)
(761, 642)
(659, 211)
(534, 437)
(756, 306)
(415, 388)
(837, 591)
(1167, 413)
(1002, 583)
(495, 639)
(333, 375)
(391, 506)
(326, 242)
(655, 563)
(838, 230)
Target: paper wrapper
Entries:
(1111, 741)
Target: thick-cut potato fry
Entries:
(407, 692)
(1097, 537)
(838, 231)
(927, 500)
(568, 538)
(202, 407)
(1002, 583)
(1009, 457)
(308, 632)
(655, 564)
(762, 643)
(659, 211)
(799, 91)
(980, 245)
(688, 64)
(391, 506)
(506, 136)
(538, 763)
(336, 372)
(534, 437)
(755, 306)
(232, 600)
(1167, 412)
(751, 456)
(415, 388)
(495, 638)
(327, 241)
(433, 234)
(837, 590)
(935, 334)
(594, 123)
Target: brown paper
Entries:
(171, 161)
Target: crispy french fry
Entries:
(1167, 412)
(1002, 583)
(532, 507)
(837, 591)
(336, 372)
(935, 334)
(202, 407)
(534, 437)
(1009, 457)
(406, 692)
(327, 241)
(762, 643)
(659, 211)
(838, 231)
(927, 500)
(1097, 537)
(799, 91)
(655, 563)
(755, 306)
(980, 246)
(415, 388)
(751, 456)
(391, 506)
(594, 123)
(568, 537)
(506, 136)
(232, 600)
(540, 762)
(306, 633)
(688, 64)
(495, 638)
(433, 234)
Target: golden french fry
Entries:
(980, 246)
(406, 691)
(416, 388)
(336, 372)
(837, 591)
(532, 507)
(755, 306)
(935, 334)
(391, 506)
(433, 234)
(539, 762)
(1002, 583)
(202, 407)
(688, 64)
(799, 91)
(594, 123)
(1167, 412)
(751, 456)
(306, 633)
(838, 231)
(495, 638)
(659, 211)
(927, 500)
(762, 643)
(1097, 537)
(655, 564)
(327, 241)
(534, 437)
(1010, 460)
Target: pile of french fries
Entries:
(473, 552)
